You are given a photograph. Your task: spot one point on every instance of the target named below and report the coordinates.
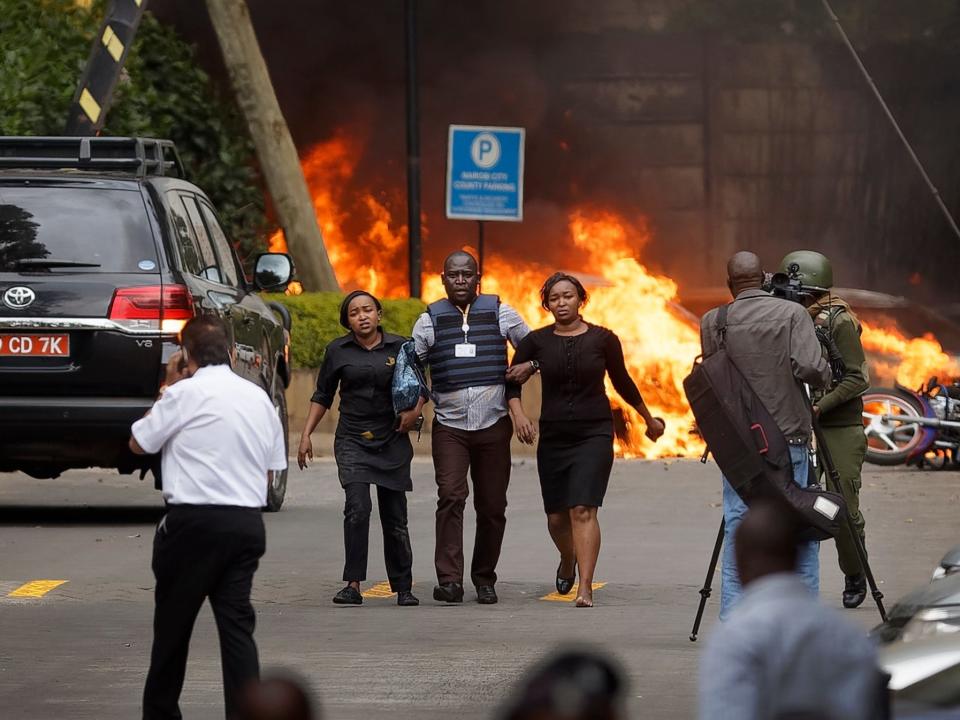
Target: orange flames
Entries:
(660, 342)
(911, 361)
(374, 257)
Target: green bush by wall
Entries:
(316, 321)
(162, 93)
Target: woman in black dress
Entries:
(575, 455)
(370, 447)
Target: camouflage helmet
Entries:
(813, 269)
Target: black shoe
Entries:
(854, 591)
(348, 596)
(564, 585)
(486, 595)
(451, 592)
(405, 598)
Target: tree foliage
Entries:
(44, 45)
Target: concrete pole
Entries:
(415, 250)
(271, 137)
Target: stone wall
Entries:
(760, 146)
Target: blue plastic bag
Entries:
(408, 381)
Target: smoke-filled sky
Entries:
(632, 122)
(339, 67)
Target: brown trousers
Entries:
(486, 453)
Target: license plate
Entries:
(34, 345)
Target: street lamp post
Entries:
(415, 254)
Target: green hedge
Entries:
(162, 93)
(316, 321)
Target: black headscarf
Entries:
(344, 306)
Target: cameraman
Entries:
(840, 407)
(773, 343)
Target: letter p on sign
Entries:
(485, 150)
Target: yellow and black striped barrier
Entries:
(99, 80)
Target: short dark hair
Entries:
(575, 683)
(462, 254)
(345, 305)
(768, 534)
(559, 277)
(279, 694)
(207, 341)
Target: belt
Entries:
(178, 507)
(798, 440)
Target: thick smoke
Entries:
(339, 68)
(722, 145)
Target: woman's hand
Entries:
(305, 451)
(526, 430)
(655, 428)
(521, 373)
(408, 419)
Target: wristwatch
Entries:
(535, 365)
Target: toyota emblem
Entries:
(19, 297)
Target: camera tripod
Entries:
(833, 485)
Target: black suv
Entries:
(105, 253)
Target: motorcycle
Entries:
(907, 427)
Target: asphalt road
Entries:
(80, 650)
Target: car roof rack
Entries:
(140, 156)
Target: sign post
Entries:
(485, 176)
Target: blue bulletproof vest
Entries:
(449, 372)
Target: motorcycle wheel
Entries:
(890, 442)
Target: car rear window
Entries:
(107, 228)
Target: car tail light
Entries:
(154, 307)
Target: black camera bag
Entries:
(749, 447)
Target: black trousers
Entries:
(203, 552)
(396, 538)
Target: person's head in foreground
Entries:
(766, 540)
(572, 684)
(205, 341)
(278, 697)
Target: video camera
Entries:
(789, 286)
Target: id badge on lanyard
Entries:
(466, 349)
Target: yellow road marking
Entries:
(570, 596)
(35, 588)
(380, 590)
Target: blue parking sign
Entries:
(485, 173)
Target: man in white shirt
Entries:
(219, 436)
(781, 654)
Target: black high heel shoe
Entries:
(565, 585)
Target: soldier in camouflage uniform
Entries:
(840, 408)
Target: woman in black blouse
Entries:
(370, 447)
(575, 455)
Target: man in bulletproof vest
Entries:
(839, 407)
(773, 344)
(463, 338)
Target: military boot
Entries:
(854, 590)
